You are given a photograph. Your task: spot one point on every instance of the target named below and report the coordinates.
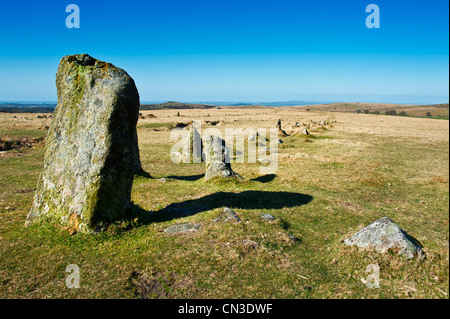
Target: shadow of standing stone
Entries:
(384, 235)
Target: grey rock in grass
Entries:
(217, 159)
(91, 151)
(182, 228)
(228, 215)
(267, 217)
(384, 235)
(193, 146)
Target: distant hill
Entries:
(434, 110)
(280, 103)
(175, 105)
(285, 103)
(27, 108)
(49, 108)
(210, 104)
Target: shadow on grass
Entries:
(143, 173)
(265, 178)
(190, 178)
(243, 200)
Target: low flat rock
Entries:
(268, 217)
(182, 228)
(383, 235)
(228, 215)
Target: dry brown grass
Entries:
(358, 169)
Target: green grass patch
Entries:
(322, 193)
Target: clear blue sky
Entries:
(235, 50)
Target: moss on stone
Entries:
(91, 151)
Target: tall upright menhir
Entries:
(91, 150)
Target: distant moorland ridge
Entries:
(433, 110)
(175, 105)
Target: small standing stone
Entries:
(193, 146)
(280, 131)
(182, 228)
(218, 159)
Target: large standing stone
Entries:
(217, 159)
(91, 150)
(383, 235)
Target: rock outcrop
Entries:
(91, 150)
(384, 235)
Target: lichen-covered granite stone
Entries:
(217, 159)
(383, 235)
(91, 149)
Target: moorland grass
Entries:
(322, 192)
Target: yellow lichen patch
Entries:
(74, 224)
